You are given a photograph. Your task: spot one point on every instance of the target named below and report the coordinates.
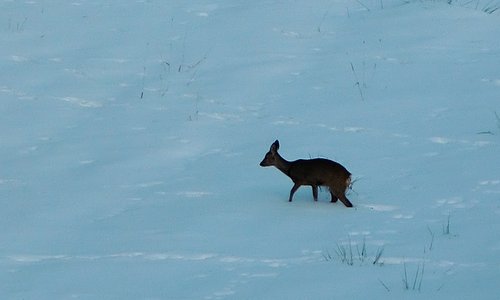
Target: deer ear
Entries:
(275, 146)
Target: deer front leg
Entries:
(293, 190)
(315, 192)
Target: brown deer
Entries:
(314, 172)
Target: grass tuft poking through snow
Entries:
(413, 281)
(353, 253)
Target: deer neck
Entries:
(283, 165)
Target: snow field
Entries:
(131, 134)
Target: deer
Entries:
(313, 172)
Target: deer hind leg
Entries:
(293, 190)
(344, 200)
(334, 198)
(315, 192)
(336, 194)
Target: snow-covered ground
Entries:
(131, 133)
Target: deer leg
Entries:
(346, 201)
(315, 192)
(293, 190)
(334, 198)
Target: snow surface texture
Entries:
(131, 133)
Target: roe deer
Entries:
(314, 172)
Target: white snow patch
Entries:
(440, 140)
(194, 194)
(490, 182)
(381, 207)
(81, 102)
(18, 58)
